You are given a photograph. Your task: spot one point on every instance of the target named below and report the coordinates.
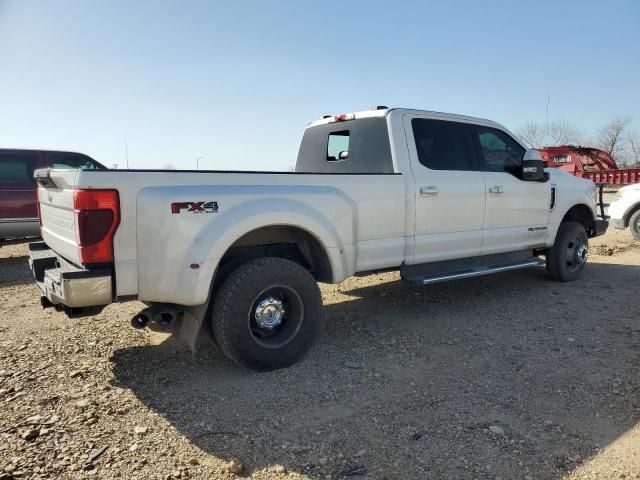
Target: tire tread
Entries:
(225, 296)
(554, 266)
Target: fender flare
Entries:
(227, 230)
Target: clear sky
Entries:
(237, 81)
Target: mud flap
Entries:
(192, 319)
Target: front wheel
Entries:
(568, 256)
(634, 225)
(267, 313)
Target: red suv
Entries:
(18, 210)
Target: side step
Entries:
(473, 271)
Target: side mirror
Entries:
(533, 167)
(343, 155)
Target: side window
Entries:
(338, 146)
(16, 169)
(443, 145)
(499, 152)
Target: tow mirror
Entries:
(533, 167)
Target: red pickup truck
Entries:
(18, 202)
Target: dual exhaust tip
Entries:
(161, 318)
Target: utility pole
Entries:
(198, 162)
(115, 166)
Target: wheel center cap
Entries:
(582, 254)
(269, 313)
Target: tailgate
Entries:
(55, 196)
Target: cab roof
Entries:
(385, 111)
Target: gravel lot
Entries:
(504, 377)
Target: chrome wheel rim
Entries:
(577, 254)
(269, 313)
(275, 316)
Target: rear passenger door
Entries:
(517, 212)
(17, 187)
(449, 189)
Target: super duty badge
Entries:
(194, 207)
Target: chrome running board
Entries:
(473, 272)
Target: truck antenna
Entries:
(548, 99)
(126, 152)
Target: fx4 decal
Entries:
(194, 207)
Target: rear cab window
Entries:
(338, 146)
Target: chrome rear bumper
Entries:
(66, 286)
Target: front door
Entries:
(517, 212)
(449, 189)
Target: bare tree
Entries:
(532, 135)
(633, 142)
(611, 138)
(560, 132)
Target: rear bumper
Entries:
(600, 227)
(67, 287)
(19, 228)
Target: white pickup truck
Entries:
(625, 209)
(436, 196)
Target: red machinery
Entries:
(590, 163)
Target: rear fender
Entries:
(287, 214)
(186, 276)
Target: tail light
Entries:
(97, 215)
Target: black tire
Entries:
(267, 313)
(568, 256)
(634, 225)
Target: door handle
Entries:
(496, 189)
(429, 191)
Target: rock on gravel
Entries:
(234, 466)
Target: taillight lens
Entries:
(97, 214)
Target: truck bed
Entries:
(360, 217)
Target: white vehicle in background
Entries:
(624, 211)
(433, 195)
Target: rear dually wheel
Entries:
(267, 313)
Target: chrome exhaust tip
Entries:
(164, 319)
(140, 320)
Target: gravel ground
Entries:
(510, 376)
